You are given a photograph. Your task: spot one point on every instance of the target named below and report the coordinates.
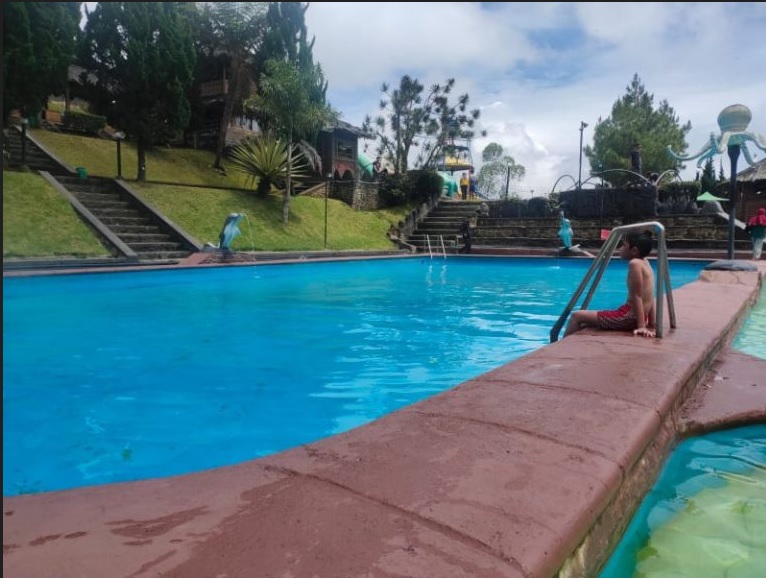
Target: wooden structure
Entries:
(338, 147)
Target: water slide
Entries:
(451, 184)
(365, 166)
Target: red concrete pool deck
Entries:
(532, 469)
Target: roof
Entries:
(756, 172)
(342, 125)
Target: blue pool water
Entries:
(132, 375)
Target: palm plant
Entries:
(266, 160)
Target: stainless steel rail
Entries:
(662, 278)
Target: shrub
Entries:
(81, 122)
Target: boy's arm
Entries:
(635, 292)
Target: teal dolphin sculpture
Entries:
(230, 231)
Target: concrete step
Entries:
(133, 240)
(163, 255)
(143, 247)
(116, 222)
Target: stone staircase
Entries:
(148, 236)
(692, 232)
(138, 228)
(443, 221)
(35, 157)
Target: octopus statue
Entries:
(733, 122)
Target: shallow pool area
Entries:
(751, 338)
(153, 374)
(705, 516)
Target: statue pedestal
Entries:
(572, 251)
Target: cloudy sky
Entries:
(536, 71)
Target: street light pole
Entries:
(733, 156)
(326, 196)
(119, 136)
(583, 124)
(24, 122)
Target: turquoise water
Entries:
(706, 514)
(132, 375)
(751, 338)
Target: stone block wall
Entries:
(360, 195)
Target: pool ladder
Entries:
(431, 251)
(602, 261)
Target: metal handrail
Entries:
(600, 263)
(428, 241)
(444, 249)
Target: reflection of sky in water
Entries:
(155, 373)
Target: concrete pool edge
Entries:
(451, 486)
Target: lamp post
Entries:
(119, 136)
(583, 124)
(326, 196)
(733, 156)
(733, 121)
(24, 123)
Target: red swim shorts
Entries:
(621, 319)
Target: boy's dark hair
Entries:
(641, 240)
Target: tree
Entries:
(286, 39)
(284, 99)
(634, 120)
(35, 64)
(142, 56)
(234, 32)
(707, 181)
(497, 170)
(430, 123)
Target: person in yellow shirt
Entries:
(464, 183)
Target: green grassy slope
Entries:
(37, 222)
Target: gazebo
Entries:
(752, 182)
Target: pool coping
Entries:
(532, 469)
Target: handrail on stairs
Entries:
(444, 250)
(600, 263)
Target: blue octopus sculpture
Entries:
(733, 122)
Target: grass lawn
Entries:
(38, 222)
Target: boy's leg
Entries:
(581, 319)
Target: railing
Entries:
(430, 249)
(444, 250)
(602, 261)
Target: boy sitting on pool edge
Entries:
(637, 314)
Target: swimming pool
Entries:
(116, 377)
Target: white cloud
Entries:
(536, 70)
